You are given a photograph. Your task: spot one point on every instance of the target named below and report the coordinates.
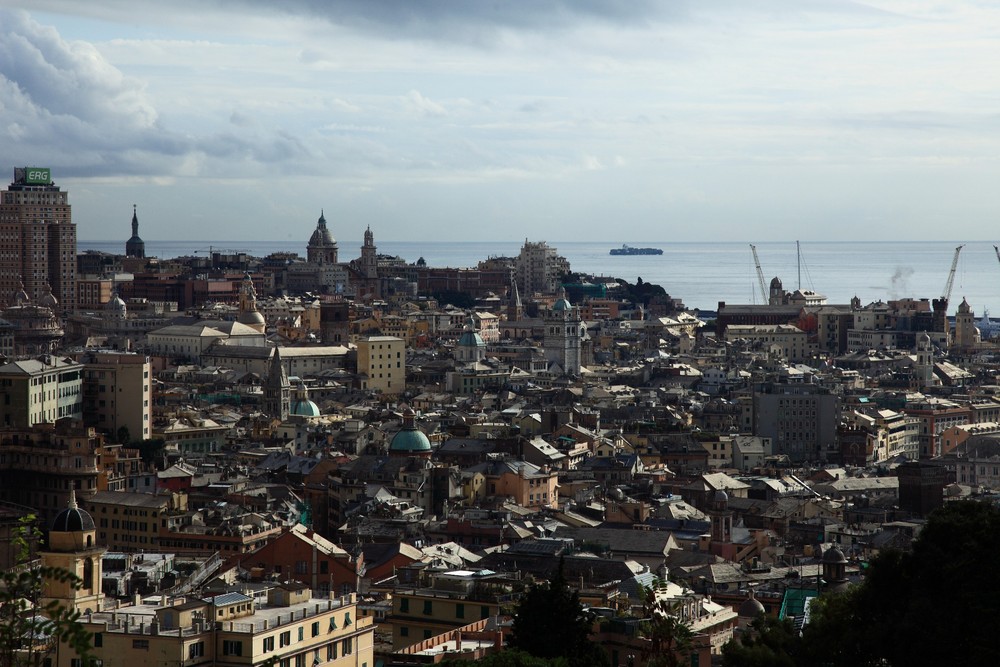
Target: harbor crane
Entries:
(997, 249)
(946, 295)
(760, 274)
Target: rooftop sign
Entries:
(37, 176)
(33, 175)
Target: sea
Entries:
(702, 274)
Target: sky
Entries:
(553, 120)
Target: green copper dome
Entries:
(409, 439)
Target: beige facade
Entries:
(289, 628)
(383, 360)
(792, 343)
(118, 393)
(40, 390)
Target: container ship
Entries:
(629, 250)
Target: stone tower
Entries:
(965, 327)
(277, 389)
(563, 335)
(73, 548)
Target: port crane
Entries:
(760, 273)
(951, 276)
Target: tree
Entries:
(550, 623)
(670, 639)
(769, 643)
(149, 450)
(937, 605)
(29, 630)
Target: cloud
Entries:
(417, 102)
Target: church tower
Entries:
(249, 315)
(277, 389)
(135, 247)
(563, 335)
(73, 548)
(322, 248)
(965, 327)
(924, 372)
(369, 258)
(515, 310)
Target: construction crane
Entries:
(951, 276)
(997, 251)
(760, 273)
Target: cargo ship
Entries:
(629, 250)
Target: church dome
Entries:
(562, 304)
(302, 406)
(251, 318)
(834, 555)
(115, 303)
(470, 337)
(48, 300)
(751, 608)
(321, 235)
(72, 519)
(409, 439)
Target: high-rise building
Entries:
(37, 238)
(539, 268)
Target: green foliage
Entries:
(938, 605)
(122, 435)
(149, 450)
(641, 292)
(771, 643)
(30, 630)
(670, 639)
(551, 623)
(458, 299)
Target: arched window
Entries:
(88, 574)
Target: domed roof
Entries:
(776, 283)
(834, 555)
(470, 337)
(721, 496)
(562, 303)
(72, 519)
(115, 303)
(302, 406)
(751, 608)
(321, 235)
(250, 318)
(409, 439)
(48, 300)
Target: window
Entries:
(333, 624)
(347, 619)
(300, 660)
(427, 634)
(331, 651)
(76, 662)
(428, 607)
(404, 605)
(140, 644)
(285, 638)
(315, 628)
(459, 610)
(404, 631)
(268, 644)
(98, 640)
(232, 647)
(301, 632)
(196, 650)
(347, 646)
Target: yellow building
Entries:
(453, 599)
(288, 628)
(382, 362)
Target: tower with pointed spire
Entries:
(277, 389)
(515, 311)
(965, 328)
(322, 247)
(135, 247)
